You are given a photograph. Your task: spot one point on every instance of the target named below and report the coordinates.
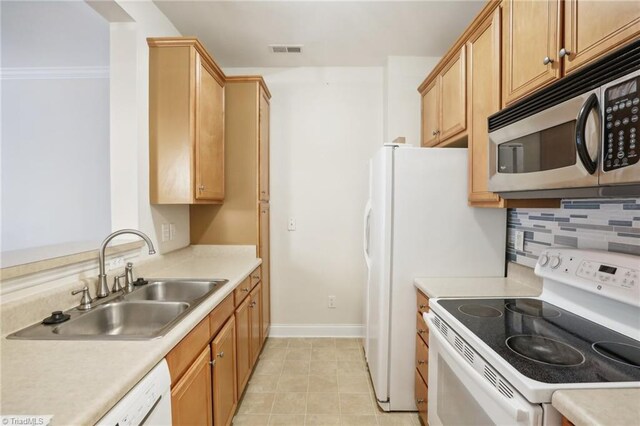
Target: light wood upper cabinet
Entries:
(444, 103)
(483, 91)
(186, 123)
(223, 353)
(265, 255)
(191, 402)
(531, 42)
(453, 94)
(594, 28)
(263, 142)
(430, 114)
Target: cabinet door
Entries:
(421, 398)
(593, 28)
(209, 135)
(531, 41)
(264, 147)
(430, 114)
(243, 350)
(483, 73)
(453, 93)
(223, 352)
(191, 396)
(256, 321)
(264, 254)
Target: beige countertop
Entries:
(79, 381)
(475, 287)
(606, 407)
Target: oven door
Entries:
(460, 395)
(554, 149)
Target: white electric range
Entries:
(498, 361)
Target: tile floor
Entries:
(320, 381)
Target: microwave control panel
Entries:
(621, 128)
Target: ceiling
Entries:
(333, 33)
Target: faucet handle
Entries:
(85, 302)
(117, 286)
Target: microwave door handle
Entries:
(581, 126)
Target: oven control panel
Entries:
(612, 275)
(621, 126)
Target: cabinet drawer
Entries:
(220, 314)
(422, 303)
(422, 359)
(256, 276)
(242, 291)
(421, 398)
(183, 354)
(422, 329)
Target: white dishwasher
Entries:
(148, 403)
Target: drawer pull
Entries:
(245, 290)
(423, 306)
(221, 354)
(422, 331)
(421, 362)
(255, 277)
(212, 363)
(419, 401)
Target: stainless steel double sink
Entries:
(148, 312)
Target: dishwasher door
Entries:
(148, 403)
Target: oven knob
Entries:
(554, 262)
(544, 259)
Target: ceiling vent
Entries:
(280, 48)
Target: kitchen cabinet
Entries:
(191, 402)
(263, 142)
(531, 38)
(444, 103)
(223, 354)
(594, 28)
(265, 255)
(186, 123)
(256, 322)
(243, 344)
(422, 356)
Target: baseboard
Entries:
(316, 330)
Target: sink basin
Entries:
(148, 312)
(124, 319)
(175, 290)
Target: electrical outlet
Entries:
(292, 224)
(116, 262)
(519, 243)
(332, 302)
(166, 233)
(172, 231)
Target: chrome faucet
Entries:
(103, 287)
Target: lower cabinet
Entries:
(191, 402)
(422, 358)
(256, 322)
(421, 399)
(243, 344)
(223, 354)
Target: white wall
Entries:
(325, 125)
(403, 75)
(55, 133)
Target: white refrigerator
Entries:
(418, 224)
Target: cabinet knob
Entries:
(422, 331)
(255, 277)
(201, 187)
(423, 306)
(421, 362)
(547, 60)
(212, 363)
(564, 52)
(246, 290)
(221, 354)
(419, 401)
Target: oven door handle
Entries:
(581, 126)
(518, 407)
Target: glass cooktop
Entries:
(547, 343)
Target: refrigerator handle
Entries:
(367, 227)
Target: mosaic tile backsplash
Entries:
(600, 224)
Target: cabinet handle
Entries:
(419, 401)
(255, 277)
(422, 331)
(423, 306)
(420, 362)
(212, 363)
(547, 60)
(564, 52)
(201, 187)
(221, 354)
(246, 290)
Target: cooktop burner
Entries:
(547, 343)
(619, 352)
(532, 308)
(545, 350)
(481, 311)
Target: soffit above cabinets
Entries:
(334, 33)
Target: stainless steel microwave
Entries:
(582, 145)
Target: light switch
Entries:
(166, 233)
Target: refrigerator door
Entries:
(435, 234)
(380, 220)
